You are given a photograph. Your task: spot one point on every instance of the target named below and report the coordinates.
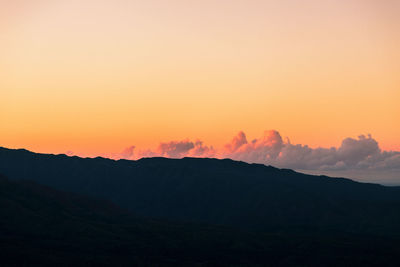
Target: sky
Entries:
(96, 77)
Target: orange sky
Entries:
(98, 76)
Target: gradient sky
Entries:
(96, 76)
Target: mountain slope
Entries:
(225, 192)
(41, 226)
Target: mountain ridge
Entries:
(213, 191)
(60, 210)
(47, 227)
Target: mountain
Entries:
(218, 192)
(70, 211)
(41, 226)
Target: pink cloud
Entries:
(174, 149)
(201, 150)
(128, 153)
(237, 141)
(362, 153)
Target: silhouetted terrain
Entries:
(205, 212)
(42, 226)
(226, 192)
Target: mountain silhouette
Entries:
(219, 192)
(41, 226)
(70, 211)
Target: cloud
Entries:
(236, 142)
(179, 149)
(128, 153)
(361, 153)
(172, 149)
(353, 151)
(262, 150)
(175, 149)
(200, 150)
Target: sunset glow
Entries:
(95, 77)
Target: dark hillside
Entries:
(212, 191)
(40, 226)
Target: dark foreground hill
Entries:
(220, 192)
(40, 226)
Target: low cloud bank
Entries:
(362, 153)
